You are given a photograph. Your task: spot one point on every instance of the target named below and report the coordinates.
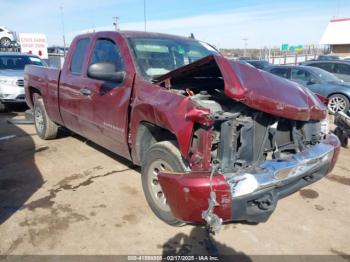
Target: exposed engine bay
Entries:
(243, 137)
(255, 136)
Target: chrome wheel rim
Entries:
(153, 183)
(336, 104)
(39, 120)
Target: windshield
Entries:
(18, 62)
(157, 56)
(324, 75)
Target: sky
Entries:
(223, 23)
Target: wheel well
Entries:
(149, 134)
(32, 92)
(338, 93)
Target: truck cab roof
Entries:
(139, 34)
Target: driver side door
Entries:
(104, 111)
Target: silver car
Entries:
(11, 76)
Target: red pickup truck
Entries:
(217, 140)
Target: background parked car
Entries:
(341, 69)
(6, 36)
(57, 50)
(319, 81)
(328, 57)
(12, 76)
(260, 64)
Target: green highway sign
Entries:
(284, 47)
(292, 48)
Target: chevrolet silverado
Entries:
(216, 140)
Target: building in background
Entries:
(337, 36)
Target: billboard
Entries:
(35, 44)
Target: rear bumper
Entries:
(251, 194)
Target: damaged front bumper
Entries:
(252, 194)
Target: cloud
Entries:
(227, 29)
(269, 23)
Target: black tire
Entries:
(342, 137)
(167, 153)
(2, 107)
(344, 101)
(45, 128)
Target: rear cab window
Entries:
(79, 55)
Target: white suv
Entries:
(6, 36)
(12, 76)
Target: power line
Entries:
(144, 14)
(63, 31)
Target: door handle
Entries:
(85, 91)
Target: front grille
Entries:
(20, 82)
(21, 97)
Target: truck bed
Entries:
(46, 81)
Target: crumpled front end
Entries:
(256, 138)
(251, 193)
(255, 88)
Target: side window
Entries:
(343, 69)
(300, 76)
(78, 58)
(325, 66)
(1, 30)
(106, 50)
(282, 72)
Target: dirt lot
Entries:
(69, 196)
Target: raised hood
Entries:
(255, 88)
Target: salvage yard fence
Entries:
(290, 59)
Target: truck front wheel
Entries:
(161, 156)
(45, 128)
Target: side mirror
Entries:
(106, 71)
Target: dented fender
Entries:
(163, 108)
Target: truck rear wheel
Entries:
(161, 156)
(45, 128)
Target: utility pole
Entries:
(116, 23)
(63, 33)
(144, 14)
(245, 46)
